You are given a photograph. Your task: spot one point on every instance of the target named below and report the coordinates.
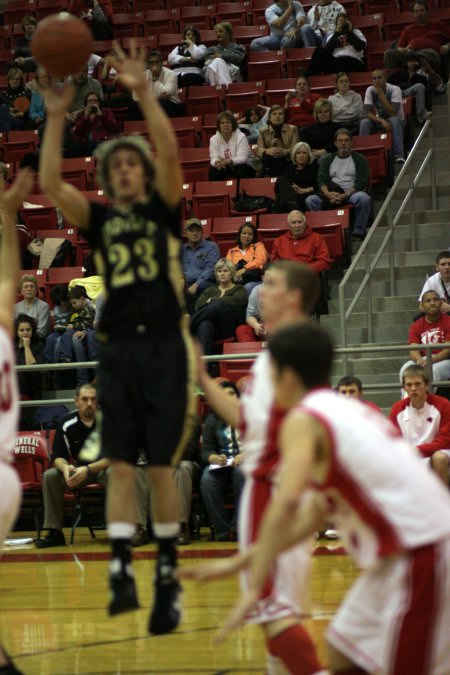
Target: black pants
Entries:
(233, 171)
(214, 321)
(286, 197)
(324, 62)
(274, 166)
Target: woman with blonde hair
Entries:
(298, 181)
(223, 61)
(320, 136)
(220, 309)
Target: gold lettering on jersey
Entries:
(118, 225)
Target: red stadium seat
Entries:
(256, 187)
(15, 11)
(212, 199)
(234, 370)
(18, 144)
(43, 217)
(370, 26)
(236, 13)
(263, 65)
(194, 163)
(276, 90)
(61, 275)
(298, 59)
(201, 17)
(158, 20)
(224, 231)
(127, 25)
(205, 99)
(245, 34)
(243, 95)
(395, 22)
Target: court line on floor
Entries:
(39, 556)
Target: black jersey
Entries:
(137, 251)
(71, 434)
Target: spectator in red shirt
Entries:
(429, 39)
(299, 104)
(433, 328)
(424, 420)
(301, 244)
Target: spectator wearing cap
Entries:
(198, 259)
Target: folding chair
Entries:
(31, 459)
(88, 499)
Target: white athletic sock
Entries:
(166, 530)
(121, 530)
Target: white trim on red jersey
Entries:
(378, 492)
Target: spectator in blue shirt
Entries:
(198, 258)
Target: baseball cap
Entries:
(193, 222)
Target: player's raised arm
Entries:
(227, 407)
(69, 199)
(10, 202)
(169, 179)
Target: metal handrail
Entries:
(246, 356)
(370, 265)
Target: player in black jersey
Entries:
(145, 372)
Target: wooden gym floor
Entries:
(53, 619)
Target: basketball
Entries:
(62, 44)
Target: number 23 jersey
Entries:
(137, 252)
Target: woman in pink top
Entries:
(249, 256)
(299, 104)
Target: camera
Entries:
(345, 28)
(182, 49)
(93, 109)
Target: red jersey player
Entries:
(10, 202)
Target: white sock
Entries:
(121, 530)
(166, 530)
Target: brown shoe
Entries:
(140, 537)
(184, 537)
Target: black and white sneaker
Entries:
(123, 590)
(166, 612)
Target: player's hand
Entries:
(237, 615)
(12, 199)
(217, 569)
(58, 99)
(131, 68)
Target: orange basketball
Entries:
(62, 44)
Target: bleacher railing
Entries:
(369, 261)
(246, 356)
